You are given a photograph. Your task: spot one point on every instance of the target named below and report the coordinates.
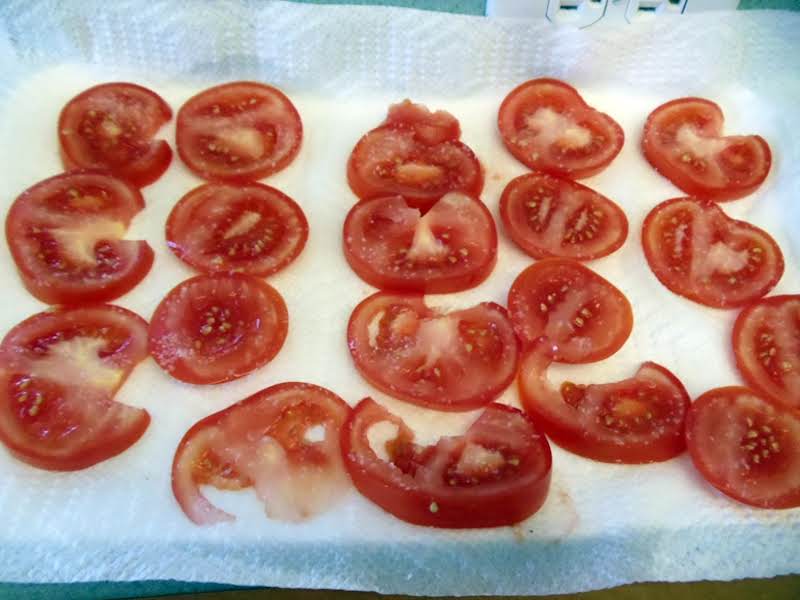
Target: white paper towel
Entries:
(602, 524)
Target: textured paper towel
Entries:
(602, 524)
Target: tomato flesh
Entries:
(746, 446)
(111, 127)
(216, 328)
(449, 361)
(393, 246)
(683, 141)
(697, 251)
(59, 372)
(497, 473)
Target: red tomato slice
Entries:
(549, 216)
(683, 141)
(393, 246)
(65, 235)
(238, 132)
(59, 372)
(766, 341)
(215, 328)
(283, 441)
(698, 252)
(250, 228)
(579, 315)
(637, 420)
(497, 473)
(450, 361)
(548, 127)
(415, 154)
(746, 447)
(111, 127)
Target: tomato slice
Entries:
(683, 141)
(581, 316)
(698, 252)
(415, 154)
(549, 216)
(283, 441)
(65, 235)
(215, 328)
(637, 420)
(238, 132)
(746, 446)
(450, 361)
(248, 228)
(548, 127)
(766, 342)
(497, 473)
(393, 246)
(59, 372)
(111, 127)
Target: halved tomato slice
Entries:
(683, 141)
(249, 228)
(392, 246)
(59, 372)
(238, 132)
(497, 473)
(699, 252)
(450, 361)
(548, 127)
(65, 235)
(637, 420)
(215, 328)
(766, 342)
(111, 127)
(549, 216)
(746, 446)
(415, 154)
(579, 315)
(283, 441)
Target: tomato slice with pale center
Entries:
(497, 473)
(636, 420)
(746, 446)
(766, 342)
(698, 252)
(111, 127)
(449, 361)
(579, 315)
(283, 441)
(59, 372)
(238, 132)
(249, 228)
(415, 154)
(548, 127)
(683, 141)
(393, 246)
(65, 235)
(215, 328)
(550, 216)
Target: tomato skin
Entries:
(471, 243)
(78, 424)
(561, 99)
(31, 216)
(598, 311)
(433, 502)
(634, 421)
(764, 348)
(720, 426)
(151, 114)
(708, 117)
(729, 289)
(604, 234)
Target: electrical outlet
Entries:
(649, 9)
